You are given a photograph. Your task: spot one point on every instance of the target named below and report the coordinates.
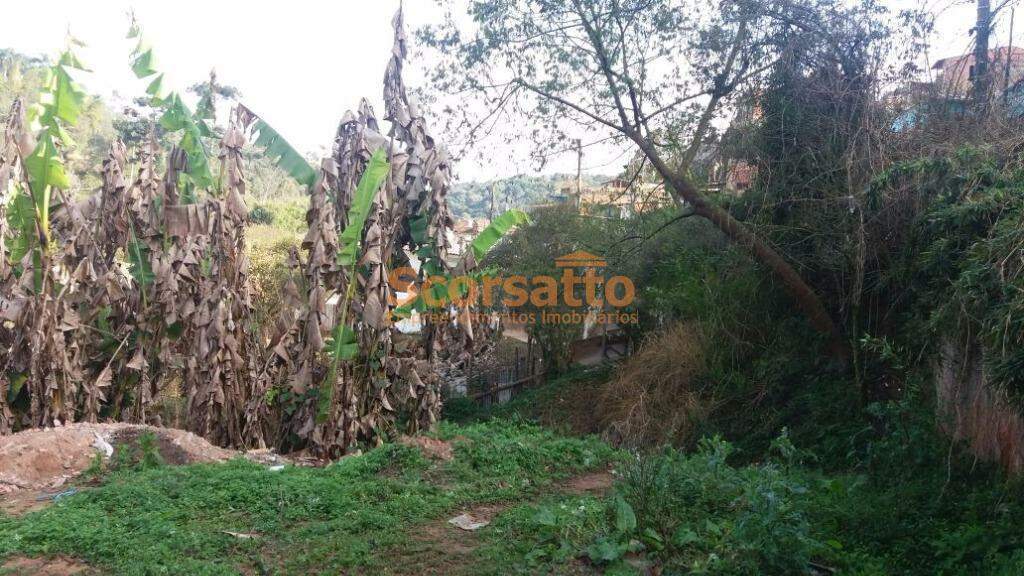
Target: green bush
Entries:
(261, 215)
(286, 213)
(268, 269)
(697, 513)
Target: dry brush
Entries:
(109, 302)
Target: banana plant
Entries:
(496, 230)
(279, 151)
(478, 250)
(342, 346)
(29, 212)
(176, 115)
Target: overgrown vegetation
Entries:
(826, 374)
(144, 286)
(240, 516)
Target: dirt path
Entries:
(43, 567)
(439, 548)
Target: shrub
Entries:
(653, 398)
(261, 215)
(268, 269)
(698, 514)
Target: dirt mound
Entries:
(47, 458)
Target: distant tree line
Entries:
(473, 199)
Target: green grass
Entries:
(562, 403)
(168, 520)
(907, 511)
(542, 537)
(873, 493)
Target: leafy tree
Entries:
(20, 76)
(653, 73)
(208, 93)
(531, 251)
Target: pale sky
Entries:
(300, 64)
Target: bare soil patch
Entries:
(36, 465)
(439, 548)
(593, 483)
(57, 566)
(432, 448)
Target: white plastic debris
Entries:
(103, 446)
(467, 522)
(277, 468)
(242, 535)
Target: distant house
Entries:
(733, 176)
(463, 232)
(617, 197)
(950, 91)
(953, 76)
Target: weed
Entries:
(96, 469)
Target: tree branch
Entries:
(571, 105)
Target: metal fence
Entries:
(497, 376)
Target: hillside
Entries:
(473, 199)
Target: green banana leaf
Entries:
(366, 191)
(418, 229)
(21, 216)
(144, 64)
(29, 211)
(342, 344)
(494, 232)
(283, 154)
(176, 115)
(138, 262)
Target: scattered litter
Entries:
(277, 468)
(103, 446)
(57, 496)
(242, 535)
(467, 522)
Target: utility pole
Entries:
(490, 213)
(1009, 56)
(579, 173)
(982, 31)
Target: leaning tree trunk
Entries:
(686, 194)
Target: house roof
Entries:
(992, 54)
